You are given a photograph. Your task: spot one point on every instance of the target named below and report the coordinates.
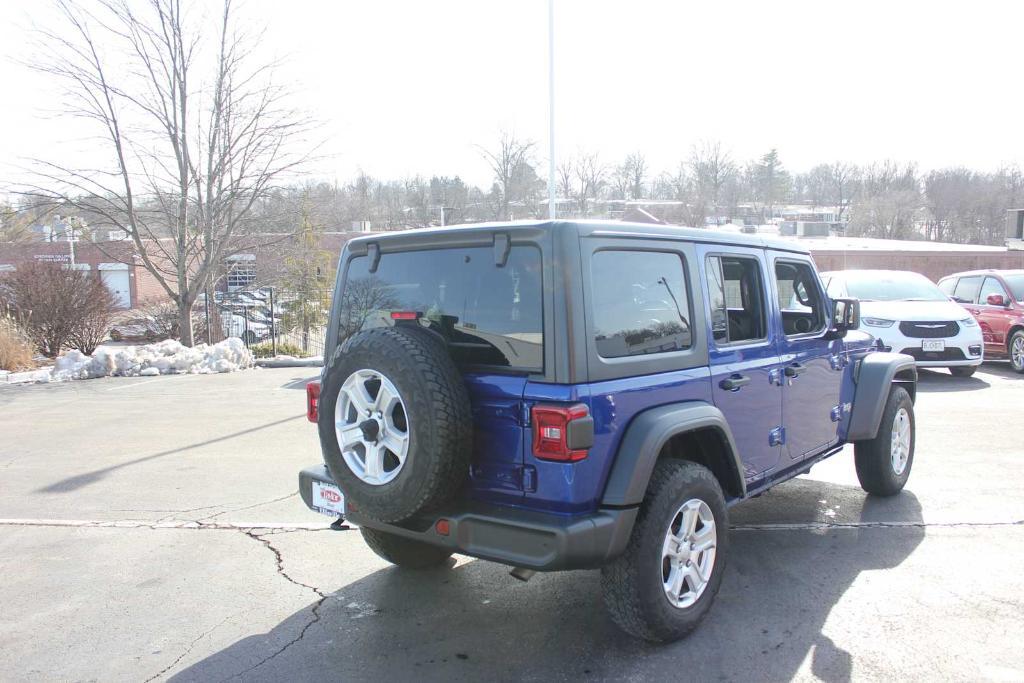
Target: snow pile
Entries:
(168, 357)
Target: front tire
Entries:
(664, 583)
(962, 370)
(884, 462)
(404, 552)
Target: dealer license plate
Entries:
(328, 499)
(933, 345)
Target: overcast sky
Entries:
(411, 87)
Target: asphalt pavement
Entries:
(150, 529)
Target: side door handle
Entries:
(734, 382)
(794, 370)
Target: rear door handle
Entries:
(734, 382)
(794, 369)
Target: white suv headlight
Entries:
(877, 322)
(968, 322)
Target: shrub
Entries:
(59, 307)
(16, 348)
(266, 350)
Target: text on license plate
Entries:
(328, 499)
(933, 345)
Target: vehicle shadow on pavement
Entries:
(932, 381)
(299, 383)
(475, 622)
(1001, 369)
(81, 480)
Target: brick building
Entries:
(114, 262)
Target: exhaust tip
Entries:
(522, 573)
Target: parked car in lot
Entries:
(911, 315)
(583, 395)
(996, 300)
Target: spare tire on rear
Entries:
(395, 424)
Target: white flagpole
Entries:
(551, 110)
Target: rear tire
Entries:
(637, 585)
(962, 370)
(1015, 349)
(404, 552)
(884, 462)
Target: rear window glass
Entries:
(640, 303)
(489, 315)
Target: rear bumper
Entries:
(521, 538)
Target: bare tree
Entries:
(565, 179)
(588, 180)
(507, 161)
(635, 168)
(627, 179)
(712, 169)
(197, 132)
(844, 181)
(889, 203)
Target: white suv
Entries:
(911, 315)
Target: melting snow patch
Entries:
(168, 357)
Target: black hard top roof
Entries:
(600, 228)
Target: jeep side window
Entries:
(800, 301)
(640, 303)
(967, 289)
(948, 285)
(737, 299)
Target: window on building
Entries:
(737, 299)
(241, 271)
(640, 303)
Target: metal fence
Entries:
(287, 321)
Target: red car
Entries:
(996, 299)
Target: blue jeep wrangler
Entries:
(582, 395)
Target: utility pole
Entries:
(551, 110)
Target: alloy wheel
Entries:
(372, 427)
(688, 553)
(900, 442)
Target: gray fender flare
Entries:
(649, 432)
(876, 372)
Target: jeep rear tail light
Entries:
(313, 401)
(404, 315)
(562, 433)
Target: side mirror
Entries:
(845, 316)
(996, 300)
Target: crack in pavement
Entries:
(188, 649)
(252, 532)
(314, 611)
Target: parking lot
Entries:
(150, 529)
